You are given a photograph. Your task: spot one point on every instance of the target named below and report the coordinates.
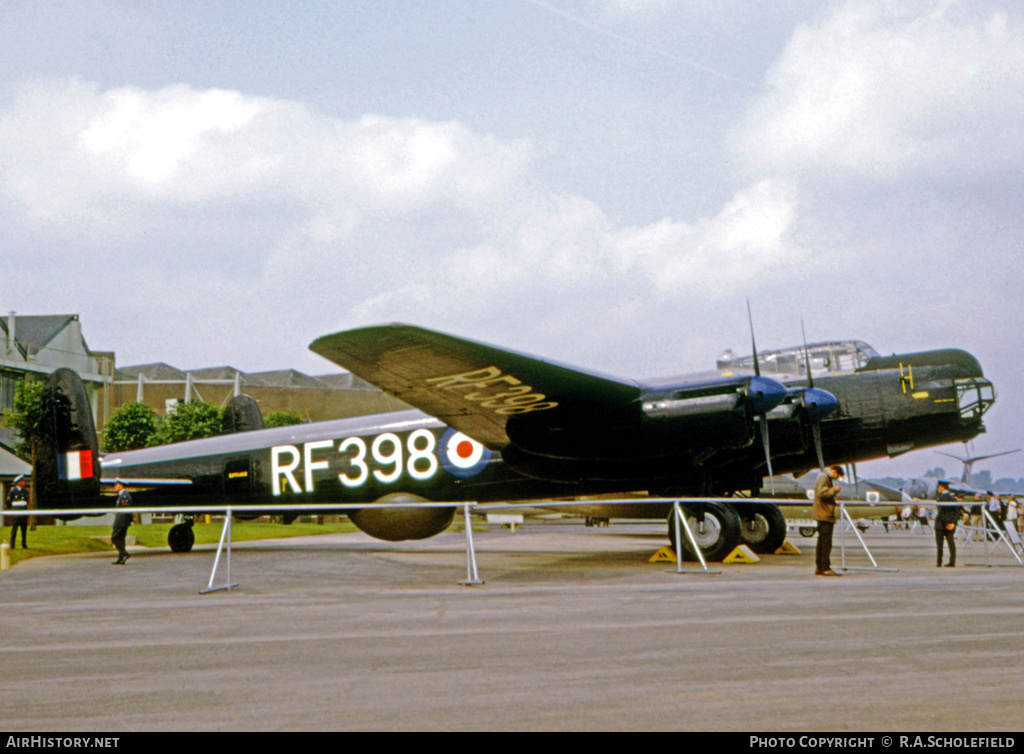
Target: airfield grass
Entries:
(64, 540)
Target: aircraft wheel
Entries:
(717, 535)
(764, 529)
(807, 531)
(181, 537)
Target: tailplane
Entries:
(67, 465)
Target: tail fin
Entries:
(968, 462)
(242, 414)
(67, 465)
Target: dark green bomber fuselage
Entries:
(891, 405)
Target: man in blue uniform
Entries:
(945, 524)
(17, 500)
(121, 522)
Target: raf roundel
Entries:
(461, 455)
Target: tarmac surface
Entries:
(573, 630)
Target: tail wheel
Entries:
(763, 528)
(181, 537)
(715, 526)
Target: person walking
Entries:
(121, 523)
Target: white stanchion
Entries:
(225, 535)
(986, 520)
(845, 516)
(680, 520)
(472, 575)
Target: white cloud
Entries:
(747, 241)
(879, 88)
(179, 180)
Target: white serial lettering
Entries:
(288, 472)
(383, 458)
(310, 464)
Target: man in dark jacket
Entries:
(945, 524)
(17, 500)
(121, 522)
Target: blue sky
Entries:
(603, 182)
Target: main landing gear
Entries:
(181, 537)
(762, 527)
(715, 527)
(720, 527)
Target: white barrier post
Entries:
(472, 576)
(680, 521)
(225, 534)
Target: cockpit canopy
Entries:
(839, 356)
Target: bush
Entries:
(190, 421)
(133, 426)
(283, 418)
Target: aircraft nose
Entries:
(765, 394)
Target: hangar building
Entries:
(35, 346)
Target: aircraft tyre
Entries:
(717, 535)
(181, 537)
(762, 528)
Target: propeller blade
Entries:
(829, 405)
(761, 418)
(816, 432)
(807, 356)
(762, 423)
(753, 343)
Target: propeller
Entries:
(820, 404)
(762, 417)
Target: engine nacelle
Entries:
(397, 524)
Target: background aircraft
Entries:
(497, 425)
(924, 488)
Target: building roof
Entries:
(10, 464)
(150, 372)
(345, 381)
(33, 333)
(225, 373)
(291, 378)
(281, 378)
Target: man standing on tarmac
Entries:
(17, 499)
(945, 524)
(824, 512)
(121, 522)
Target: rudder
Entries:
(67, 464)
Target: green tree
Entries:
(24, 417)
(133, 426)
(283, 418)
(32, 404)
(190, 421)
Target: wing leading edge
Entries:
(476, 388)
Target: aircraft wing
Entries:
(473, 387)
(890, 494)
